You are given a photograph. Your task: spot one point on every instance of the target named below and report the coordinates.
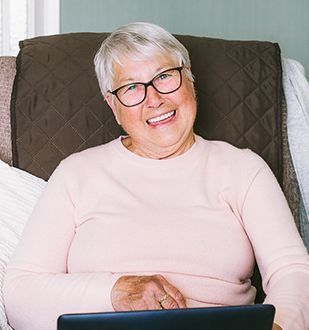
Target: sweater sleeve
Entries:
(280, 253)
(37, 287)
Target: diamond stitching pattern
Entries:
(249, 115)
(58, 108)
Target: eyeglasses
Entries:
(135, 93)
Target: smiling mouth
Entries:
(161, 119)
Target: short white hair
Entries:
(137, 41)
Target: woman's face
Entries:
(162, 125)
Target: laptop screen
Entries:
(248, 317)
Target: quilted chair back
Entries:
(57, 107)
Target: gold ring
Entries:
(164, 298)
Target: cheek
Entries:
(117, 115)
(125, 116)
(188, 100)
(188, 92)
(190, 107)
(130, 117)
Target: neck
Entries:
(160, 152)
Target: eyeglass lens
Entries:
(166, 82)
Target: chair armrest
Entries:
(7, 75)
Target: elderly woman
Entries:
(159, 218)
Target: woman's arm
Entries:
(280, 253)
(38, 287)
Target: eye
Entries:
(163, 76)
(129, 89)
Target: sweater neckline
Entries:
(180, 159)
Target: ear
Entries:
(110, 102)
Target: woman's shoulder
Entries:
(226, 154)
(87, 158)
(234, 168)
(92, 153)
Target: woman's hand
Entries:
(276, 327)
(145, 293)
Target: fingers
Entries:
(144, 293)
(178, 297)
(144, 304)
(168, 302)
(174, 293)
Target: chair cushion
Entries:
(19, 192)
(57, 108)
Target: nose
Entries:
(153, 98)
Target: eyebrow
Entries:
(131, 80)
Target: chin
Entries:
(170, 140)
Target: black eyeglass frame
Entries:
(146, 85)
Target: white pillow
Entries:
(19, 192)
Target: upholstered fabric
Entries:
(239, 90)
(296, 87)
(57, 107)
(7, 74)
(289, 185)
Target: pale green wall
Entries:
(282, 21)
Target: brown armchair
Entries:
(57, 108)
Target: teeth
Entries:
(157, 119)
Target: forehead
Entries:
(141, 69)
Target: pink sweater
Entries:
(198, 219)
